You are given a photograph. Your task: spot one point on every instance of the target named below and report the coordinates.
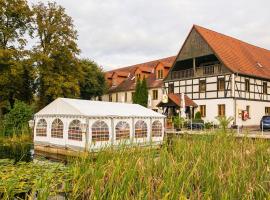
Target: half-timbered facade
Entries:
(223, 76)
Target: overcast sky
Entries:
(117, 33)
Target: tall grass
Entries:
(192, 167)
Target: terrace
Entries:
(197, 67)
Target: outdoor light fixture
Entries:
(31, 123)
(83, 127)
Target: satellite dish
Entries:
(165, 98)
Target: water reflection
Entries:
(17, 152)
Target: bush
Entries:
(224, 122)
(178, 121)
(209, 125)
(16, 121)
(198, 115)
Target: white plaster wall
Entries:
(212, 108)
(257, 110)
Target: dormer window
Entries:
(160, 74)
(138, 76)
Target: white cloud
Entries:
(124, 32)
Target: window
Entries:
(122, 130)
(171, 88)
(221, 84)
(221, 110)
(202, 86)
(248, 110)
(160, 74)
(267, 110)
(155, 94)
(140, 129)
(110, 98)
(57, 129)
(203, 110)
(247, 85)
(41, 129)
(75, 131)
(264, 87)
(100, 131)
(156, 129)
(116, 97)
(125, 96)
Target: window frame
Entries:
(265, 88)
(58, 129)
(201, 84)
(155, 94)
(247, 85)
(267, 110)
(156, 129)
(74, 130)
(122, 134)
(221, 107)
(101, 127)
(203, 110)
(41, 126)
(141, 129)
(220, 83)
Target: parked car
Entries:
(265, 123)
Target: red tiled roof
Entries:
(129, 83)
(238, 56)
(176, 98)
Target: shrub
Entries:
(178, 121)
(198, 115)
(16, 121)
(224, 122)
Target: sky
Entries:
(118, 33)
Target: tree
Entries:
(135, 97)
(15, 21)
(93, 83)
(144, 93)
(141, 93)
(55, 55)
(17, 119)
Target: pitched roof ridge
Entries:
(198, 28)
(137, 65)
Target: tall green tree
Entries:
(144, 93)
(135, 97)
(141, 93)
(92, 83)
(58, 67)
(15, 21)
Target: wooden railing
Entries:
(200, 71)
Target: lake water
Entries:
(17, 152)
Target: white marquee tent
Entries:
(83, 124)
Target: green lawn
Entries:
(192, 167)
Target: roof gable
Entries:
(238, 56)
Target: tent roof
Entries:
(65, 106)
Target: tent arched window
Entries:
(57, 129)
(140, 129)
(100, 131)
(156, 129)
(41, 128)
(75, 131)
(122, 130)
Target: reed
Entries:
(191, 167)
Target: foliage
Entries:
(224, 122)
(141, 93)
(178, 122)
(16, 121)
(194, 167)
(198, 115)
(55, 55)
(208, 125)
(15, 18)
(93, 83)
